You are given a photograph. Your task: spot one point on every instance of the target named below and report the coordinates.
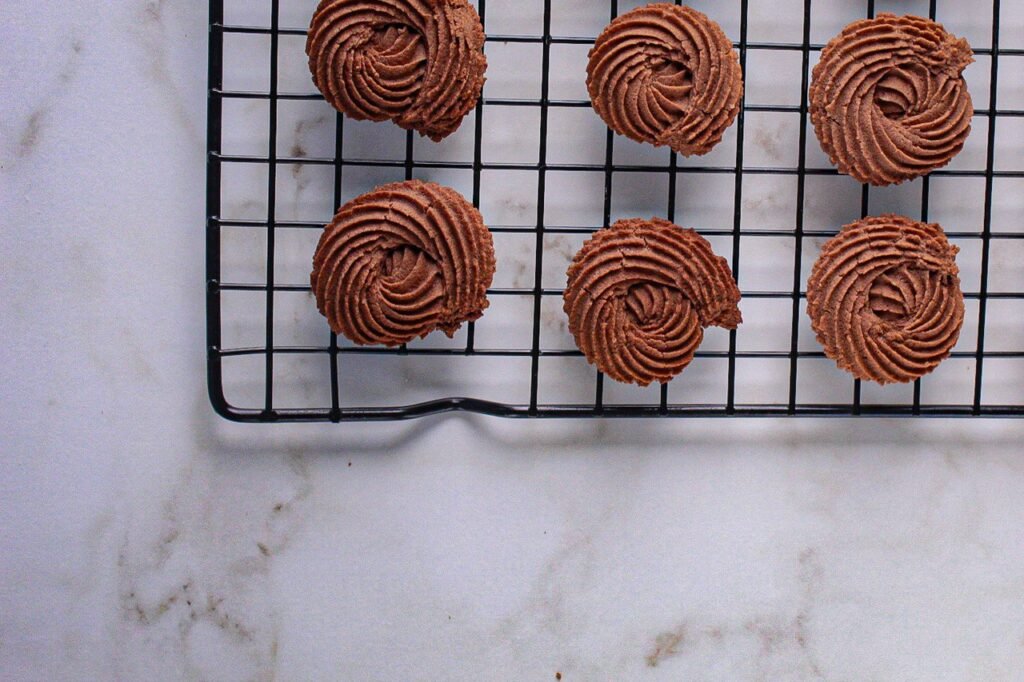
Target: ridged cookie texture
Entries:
(639, 295)
(419, 63)
(884, 298)
(401, 261)
(667, 75)
(888, 99)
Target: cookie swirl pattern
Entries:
(884, 298)
(667, 75)
(888, 99)
(419, 63)
(401, 261)
(640, 294)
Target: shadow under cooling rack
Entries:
(546, 173)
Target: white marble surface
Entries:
(142, 538)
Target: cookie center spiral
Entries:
(898, 92)
(648, 305)
(394, 38)
(892, 296)
(404, 263)
(672, 78)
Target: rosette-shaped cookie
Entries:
(402, 261)
(888, 99)
(640, 294)
(419, 63)
(667, 75)
(884, 298)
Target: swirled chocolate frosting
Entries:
(419, 63)
(888, 99)
(884, 298)
(401, 261)
(667, 75)
(640, 294)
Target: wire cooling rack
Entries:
(272, 358)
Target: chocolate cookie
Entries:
(402, 261)
(888, 99)
(667, 75)
(640, 294)
(884, 298)
(419, 63)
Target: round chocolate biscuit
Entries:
(640, 294)
(419, 63)
(401, 261)
(668, 75)
(884, 298)
(888, 99)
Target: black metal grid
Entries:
(667, 404)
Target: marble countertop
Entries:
(143, 538)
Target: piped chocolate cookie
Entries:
(640, 294)
(888, 99)
(667, 75)
(401, 261)
(884, 298)
(419, 63)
